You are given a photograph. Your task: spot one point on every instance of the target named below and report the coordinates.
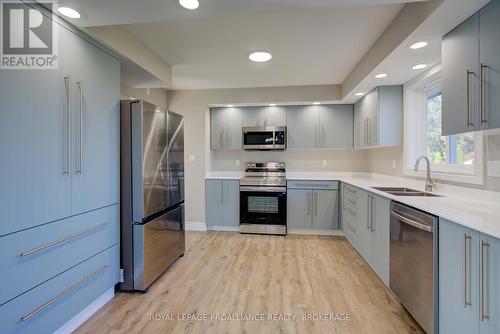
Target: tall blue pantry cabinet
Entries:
(59, 184)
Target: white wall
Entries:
(296, 160)
(193, 104)
(156, 96)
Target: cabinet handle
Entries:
(220, 138)
(316, 136)
(469, 123)
(482, 120)
(369, 213)
(367, 138)
(373, 214)
(324, 137)
(60, 241)
(309, 200)
(80, 162)
(343, 197)
(482, 313)
(64, 293)
(315, 203)
(466, 270)
(222, 192)
(369, 131)
(67, 170)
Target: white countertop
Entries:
(224, 175)
(477, 209)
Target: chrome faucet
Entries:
(429, 184)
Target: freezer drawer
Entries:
(157, 245)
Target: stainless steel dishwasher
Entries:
(414, 263)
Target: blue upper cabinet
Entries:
(95, 96)
(225, 128)
(336, 126)
(460, 62)
(50, 170)
(489, 113)
(264, 116)
(35, 144)
(471, 73)
(378, 118)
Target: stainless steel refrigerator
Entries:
(152, 192)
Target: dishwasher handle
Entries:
(412, 222)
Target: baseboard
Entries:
(86, 313)
(194, 226)
(315, 232)
(224, 228)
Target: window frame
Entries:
(415, 139)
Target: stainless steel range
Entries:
(263, 198)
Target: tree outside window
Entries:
(445, 150)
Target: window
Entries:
(455, 158)
(441, 150)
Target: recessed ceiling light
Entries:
(359, 94)
(189, 4)
(272, 104)
(69, 12)
(230, 105)
(260, 57)
(316, 103)
(418, 45)
(380, 76)
(419, 66)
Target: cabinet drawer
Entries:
(33, 256)
(51, 304)
(351, 203)
(330, 185)
(351, 191)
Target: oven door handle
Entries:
(263, 189)
(412, 222)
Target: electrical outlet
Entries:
(394, 164)
(192, 158)
(325, 163)
(237, 163)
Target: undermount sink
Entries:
(402, 191)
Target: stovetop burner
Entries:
(264, 174)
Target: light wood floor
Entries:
(228, 273)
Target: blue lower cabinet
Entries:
(29, 258)
(51, 304)
(458, 279)
(489, 266)
(222, 203)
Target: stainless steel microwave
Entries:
(269, 138)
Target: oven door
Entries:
(263, 205)
(258, 139)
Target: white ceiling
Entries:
(308, 46)
(398, 65)
(312, 41)
(117, 12)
